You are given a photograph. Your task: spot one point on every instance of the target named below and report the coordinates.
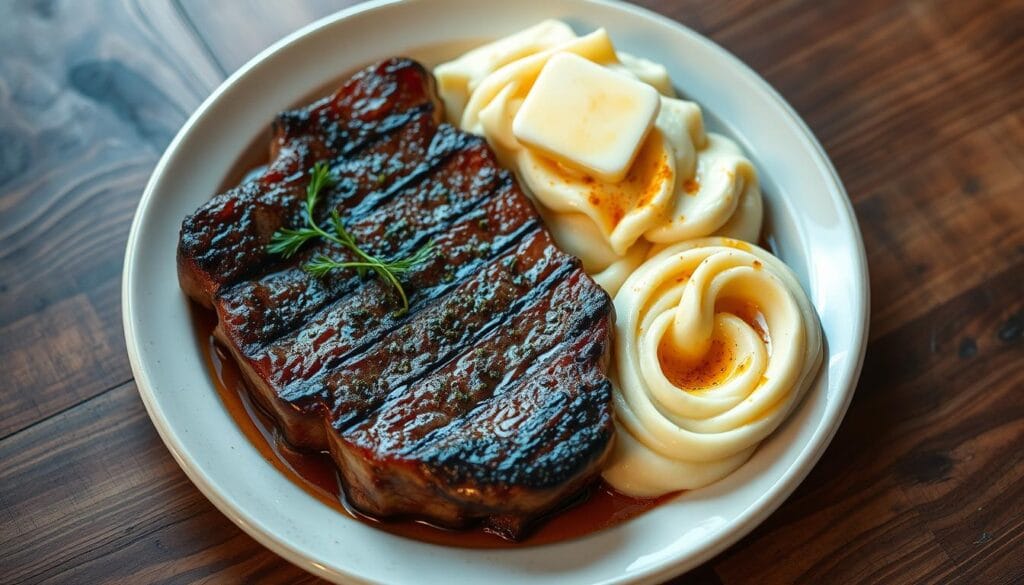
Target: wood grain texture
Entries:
(106, 503)
(918, 103)
(90, 94)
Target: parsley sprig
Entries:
(288, 241)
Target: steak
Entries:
(486, 402)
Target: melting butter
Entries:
(586, 116)
(634, 176)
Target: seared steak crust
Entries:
(487, 400)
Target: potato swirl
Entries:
(715, 344)
(684, 183)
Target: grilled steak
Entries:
(487, 400)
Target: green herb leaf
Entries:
(286, 242)
(321, 177)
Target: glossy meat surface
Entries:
(487, 400)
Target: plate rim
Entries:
(759, 510)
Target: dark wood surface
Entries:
(920, 104)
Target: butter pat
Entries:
(457, 79)
(587, 116)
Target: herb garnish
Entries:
(287, 242)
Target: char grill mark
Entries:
(441, 329)
(254, 312)
(416, 415)
(238, 250)
(497, 418)
(452, 183)
(560, 440)
(351, 387)
(372, 103)
(225, 239)
(487, 400)
(376, 173)
(362, 316)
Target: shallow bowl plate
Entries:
(810, 223)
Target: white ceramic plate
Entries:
(810, 222)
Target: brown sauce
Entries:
(713, 369)
(750, 313)
(598, 508)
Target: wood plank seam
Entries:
(66, 409)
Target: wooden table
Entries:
(920, 105)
